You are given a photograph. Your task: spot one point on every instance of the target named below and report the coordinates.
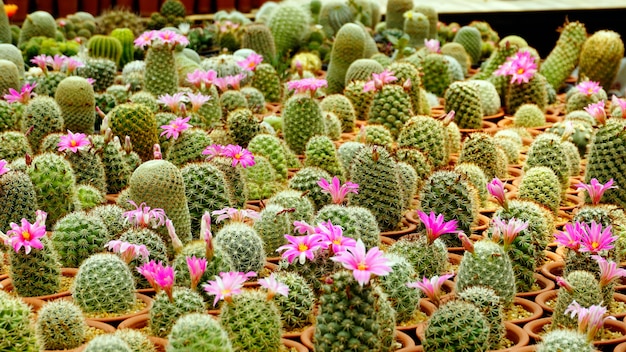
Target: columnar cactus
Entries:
(161, 76)
(547, 150)
(349, 45)
(302, 119)
(395, 10)
(41, 117)
(289, 25)
(404, 299)
(18, 196)
(601, 65)
(188, 147)
(138, 122)
(563, 58)
(463, 98)
(540, 184)
(470, 38)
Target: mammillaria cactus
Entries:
(463, 98)
(160, 76)
(540, 184)
(601, 65)
(195, 331)
(404, 299)
(546, 150)
(77, 236)
(107, 343)
(470, 38)
(243, 245)
(298, 306)
(302, 115)
(289, 25)
(580, 286)
(269, 146)
(41, 117)
(86, 163)
(61, 325)
(486, 299)
(266, 80)
(564, 340)
(18, 195)
(584, 93)
(525, 85)
(481, 150)
(391, 106)
(563, 58)
(427, 135)
(273, 223)
(472, 335)
(138, 122)
(165, 311)
(349, 45)
(188, 147)
(17, 324)
(529, 115)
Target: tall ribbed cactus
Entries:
(349, 45)
(75, 97)
(563, 58)
(302, 119)
(139, 123)
(161, 76)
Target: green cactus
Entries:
(145, 98)
(155, 245)
(61, 326)
(243, 126)
(259, 38)
(427, 135)
(529, 115)
(488, 265)
(376, 134)
(261, 180)
(10, 76)
(242, 245)
(160, 76)
(104, 46)
(342, 108)
(361, 70)
(289, 24)
(266, 80)
(489, 97)
(195, 331)
(306, 179)
(417, 160)
(404, 299)
(391, 108)
(540, 184)
(232, 100)
(37, 273)
(564, 340)
(18, 330)
(488, 302)
(104, 284)
(112, 217)
(348, 46)
(573, 158)
(395, 11)
(269, 146)
(533, 92)
(600, 57)
(481, 149)
(585, 290)
(408, 183)
(457, 326)
(188, 147)
(361, 101)
(38, 23)
(576, 100)
(164, 312)
(546, 150)
(302, 120)
(137, 340)
(102, 70)
(476, 176)
(333, 15)
(581, 136)
(457, 51)
(417, 26)
(88, 196)
(138, 122)
(273, 224)
(235, 179)
(117, 171)
(126, 38)
(107, 343)
(470, 38)
(563, 58)
(321, 152)
(75, 98)
(296, 309)
(463, 98)
(19, 198)
(77, 236)
(41, 117)
(290, 198)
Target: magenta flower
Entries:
(588, 88)
(497, 190)
(172, 101)
(167, 36)
(336, 190)
(26, 236)
(250, 62)
(597, 111)
(363, 264)
(3, 167)
(41, 61)
(596, 189)
(73, 142)
(164, 279)
(448, 118)
(432, 45)
(171, 231)
(274, 286)
(196, 78)
(302, 227)
(197, 267)
(333, 238)
(521, 67)
(379, 80)
(594, 239)
(176, 127)
(235, 81)
(609, 270)
(571, 237)
(57, 62)
(23, 96)
(143, 216)
(436, 225)
(148, 270)
(214, 150)
(239, 155)
(197, 100)
(560, 280)
(235, 215)
(226, 285)
(615, 101)
(466, 242)
(144, 39)
(307, 84)
(128, 251)
(221, 83)
(508, 230)
(590, 320)
(432, 287)
(301, 247)
(72, 64)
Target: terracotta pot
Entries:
(535, 330)
(111, 198)
(293, 344)
(575, 200)
(116, 320)
(514, 333)
(514, 175)
(620, 348)
(7, 285)
(34, 303)
(482, 224)
(544, 283)
(487, 127)
(307, 339)
(141, 321)
(495, 117)
(408, 228)
(93, 324)
(529, 306)
(544, 297)
(553, 269)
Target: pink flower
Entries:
(26, 236)
(570, 238)
(235, 81)
(597, 111)
(301, 247)
(588, 88)
(239, 155)
(167, 36)
(234, 214)
(333, 238)
(57, 62)
(72, 64)
(590, 320)
(164, 279)
(23, 96)
(432, 45)
(144, 39)
(363, 264)
(143, 216)
(307, 84)
(221, 83)
(508, 229)
(41, 61)
(250, 62)
(448, 118)
(73, 142)
(196, 78)
(436, 225)
(594, 239)
(609, 270)
(596, 189)
(176, 127)
(615, 101)
(213, 151)
(3, 167)
(128, 251)
(197, 267)
(274, 286)
(379, 80)
(466, 242)
(560, 280)
(91, 81)
(148, 270)
(302, 227)
(521, 67)
(172, 101)
(369, 86)
(336, 190)
(432, 287)
(227, 284)
(197, 100)
(206, 234)
(497, 190)
(171, 231)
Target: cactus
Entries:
(269, 147)
(306, 179)
(126, 38)
(395, 11)
(343, 298)
(261, 180)
(244, 247)
(533, 92)
(391, 108)
(19, 198)
(361, 101)
(470, 38)
(195, 331)
(38, 23)
(18, 331)
(404, 299)
(259, 38)
(408, 183)
(102, 70)
(104, 46)
(428, 136)
(161, 76)
(104, 284)
(581, 136)
(376, 173)
(266, 80)
(75, 98)
(417, 26)
(573, 158)
(145, 98)
(10, 76)
(489, 97)
(137, 340)
(232, 100)
(61, 326)
(463, 98)
(342, 107)
(164, 312)
(54, 184)
(486, 299)
(333, 15)
(117, 171)
(417, 160)
(302, 119)
(9, 117)
(563, 58)
(289, 25)
(321, 152)
(138, 122)
(77, 236)
(88, 197)
(235, 179)
(481, 149)
(585, 290)
(252, 322)
(564, 340)
(294, 199)
(361, 70)
(243, 126)
(601, 65)
(457, 51)
(349, 45)
(376, 134)
(112, 217)
(188, 147)
(107, 343)
(529, 115)
(540, 184)
(41, 117)
(37, 273)
(457, 326)
(155, 245)
(273, 224)
(475, 175)
(546, 150)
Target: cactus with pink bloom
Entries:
(595, 189)
(302, 115)
(590, 320)
(596, 110)
(432, 287)
(580, 286)
(160, 75)
(526, 85)
(337, 191)
(584, 93)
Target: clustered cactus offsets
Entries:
(333, 157)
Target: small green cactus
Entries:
(18, 330)
(61, 325)
(164, 312)
(195, 332)
(77, 236)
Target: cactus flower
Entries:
(570, 238)
(176, 127)
(164, 279)
(336, 190)
(3, 167)
(227, 284)
(436, 225)
(56, 62)
(508, 230)
(431, 287)
(10, 9)
(521, 67)
(307, 84)
(148, 270)
(156, 151)
(172, 101)
(597, 111)
(595, 239)
(432, 45)
(333, 238)
(379, 80)
(213, 151)
(302, 227)
(274, 286)
(23, 96)
(250, 62)
(590, 320)
(72, 64)
(236, 215)
(171, 231)
(466, 243)
(167, 37)
(497, 190)
(609, 270)
(588, 88)
(41, 61)
(239, 155)
(197, 267)
(206, 234)
(128, 251)
(560, 280)
(221, 83)
(301, 247)
(73, 142)
(363, 264)
(143, 216)
(615, 101)
(197, 100)
(200, 77)
(595, 189)
(144, 39)
(27, 235)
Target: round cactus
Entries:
(547, 150)
(77, 236)
(585, 290)
(481, 150)
(164, 313)
(61, 325)
(244, 247)
(441, 332)
(404, 299)
(18, 331)
(273, 224)
(195, 332)
(290, 198)
(136, 340)
(428, 136)
(107, 343)
(486, 299)
(559, 340)
(529, 115)
(427, 259)
(540, 184)
(296, 309)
